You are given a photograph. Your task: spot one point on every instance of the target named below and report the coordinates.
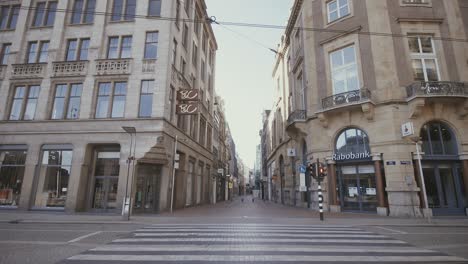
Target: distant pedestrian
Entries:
(242, 199)
(253, 199)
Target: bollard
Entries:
(320, 196)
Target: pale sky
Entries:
(244, 67)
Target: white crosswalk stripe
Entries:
(255, 243)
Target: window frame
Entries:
(79, 49)
(111, 99)
(338, 10)
(120, 40)
(84, 13)
(424, 56)
(10, 16)
(123, 14)
(148, 43)
(25, 99)
(38, 51)
(67, 101)
(47, 12)
(5, 55)
(151, 84)
(344, 67)
(160, 8)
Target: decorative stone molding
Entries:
(149, 66)
(113, 66)
(416, 107)
(463, 109)
(323, 119)
(32, 70)
(368, 110)
(70, 68)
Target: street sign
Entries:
(230, 185)
(302, 169)
(391, 163)
(302, 185)
(291, 152)
(221, 171)
(407, 129)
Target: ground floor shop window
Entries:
(11, 176)
(357, 188)
(148, 185)
(54, 174)
(106, 180)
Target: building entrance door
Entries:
(148, 184)
(444, 188)
(106, 180)
(358, 191)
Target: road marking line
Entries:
(252, 231)
(278, 240)
(438, 247)
(392, 230)
(264, 259)
(248, 235)
(83, 237)
(254, 248)
(58, 230)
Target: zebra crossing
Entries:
(254, 243)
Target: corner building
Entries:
(71, 80)
(349, 74)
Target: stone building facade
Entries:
(70, 81)
(357, 84)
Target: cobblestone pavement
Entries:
(258, 243)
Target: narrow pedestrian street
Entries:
(248, 231)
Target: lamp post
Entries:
(130, 161)
(423, 184)
(175, 165)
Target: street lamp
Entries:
(426, 213)
(130, 160)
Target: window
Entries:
(111, 100)
(187, 7)
(123, 10)
(146, 98)
(193, 126)
(344, 70)
(198, 22)
(174, 52)
(202, 133)
(171, 103)
(77, 49)
(54, 176)
(38, 51)
(119, 47)
(177, 21)
(354, 141)
(202, 71)
(194, 55)
(45, 14)
(83, 12)
(185, 36)
(423, 58)
(208, 136)
(337, 9)
(5, 53)
(24, 102)
(204, 40)
(67, 101)
(154, 7)
(438, 139)
(183, 65)
(106, 177)
(9, 17)
(11, 176)
(151, 45)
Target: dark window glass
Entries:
(11, 176)
(4, 13)
(151, 45)
(154, 8)
(130, 9)
(14, 17)
(5, 53)
(438, 139)
(113, 49)
(77, 10)
(117, 10)
(39, 17)
(51, 14)
(146, 98)
(72, 49)
(89, 11)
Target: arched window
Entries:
(438, 139)
(353, 141)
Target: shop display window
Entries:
(11, 176)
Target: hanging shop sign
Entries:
(351, 156)
(187, 109)
(407, 129)
(188, 95)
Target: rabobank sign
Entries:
(351, 156)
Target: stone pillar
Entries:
(465, 180)
(334, 205)
(381, 209)
(28, 186)
(419, 183)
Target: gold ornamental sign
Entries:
(187, 109)
(188, 95)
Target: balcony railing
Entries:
(298, 115)
(70, 68)
(30, 70)
(113, 66)
(149, 66)
(2, 71)
(346, 98)
(427, 89)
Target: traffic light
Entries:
(323, 170)
(311, 169)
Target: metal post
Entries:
(126, 202)
(173, 173)
(320, 195)
(423, 184)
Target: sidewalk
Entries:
(231, 212)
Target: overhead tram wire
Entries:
(243, 24)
